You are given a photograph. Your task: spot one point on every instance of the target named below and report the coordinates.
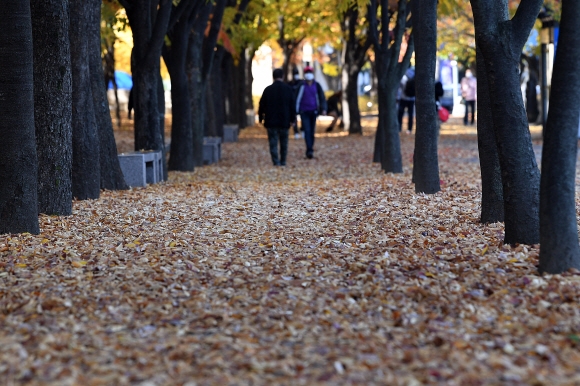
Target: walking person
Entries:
(295, 83)
(310, 102)
(407, 99)
(469, 94)
(334, 109)
(277, 113)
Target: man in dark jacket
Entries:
(277, 113)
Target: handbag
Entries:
(443, 114)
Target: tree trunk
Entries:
(217, 95)
(86, 174)
(248, 79)
(426, 164)
(389, 73)
(161, 107)
(501, 41)
(228, 81)
(355, 126)
(391, 158)
(492, 209)
(559, 249)
(181, 153)
(18, 160)
(149, 25)
(53, 105)
(109, 73)
(210, 129)
(111, 175)
(197, 96)
(240, 90)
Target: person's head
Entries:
(468, 73)
(295, 74)
(278, 74)
(309, 73)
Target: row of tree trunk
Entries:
(57, 130)
(510, 176)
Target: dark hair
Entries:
(278, 73)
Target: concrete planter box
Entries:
(231, 133)
(212, 150)
(141, 167)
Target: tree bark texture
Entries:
(492, 208)
(149, 20)
(111, 175)
(86, 176)
(353, 58)
(426, 163)
(161, 107)
(53, 105)
(194, 68)
(217, 95)
(559, 250)
(181, 154)
(18, 160)
(501, 42)
(389, 73)
(228, 81)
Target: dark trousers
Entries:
(276, 135)
(467, 105)
(309, 127)
(410, 106)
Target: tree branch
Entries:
(523, 21)
(403, 65)
(126, 4)
(159, 29)
(373, 27)
(211, 39)
(399, 30)
(184, 7)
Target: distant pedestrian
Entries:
(277, 113)
(310, 102)
(407, 99)
(295, 83)
(130, 104)
(334, 109)
(469, 94)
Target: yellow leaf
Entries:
(44, 241)
(429, 274)
(131, 245)
(79, 264)
(513, 261)
(172, 244)
(21, 265)
(484, 250)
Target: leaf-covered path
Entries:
(323, 272)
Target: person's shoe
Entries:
(282, 163)
(309, 155)
(329, 129)
(409, 132)
(297, 136)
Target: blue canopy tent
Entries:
(124, 81)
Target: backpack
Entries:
(410, 87)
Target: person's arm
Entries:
(291, 107)
(299, 97)
(323, 105)
(261, 109)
